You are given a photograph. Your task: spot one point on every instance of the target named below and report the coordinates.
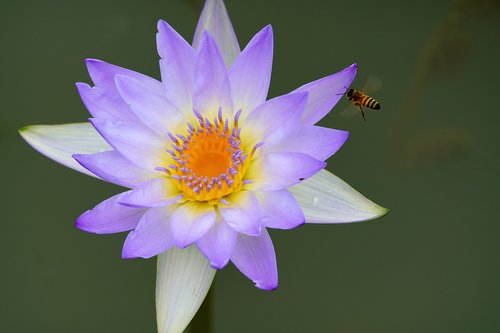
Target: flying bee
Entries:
(360, 99)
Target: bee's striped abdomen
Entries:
(370, 103)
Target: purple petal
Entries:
(255, 257)
(250, 74)
(114, 168)
(273, 121)
(279, 210)
(242, 214)
(154, 110)
(156, 192)
(105, 104)
(176, 65)
(275, 171)
(215, 20)
(103, 74)
(135, 142)
(218, 244)
(325, 93)
(191, 221)
(109, 217)
(151, 237)
(212, 89)
(315, 141)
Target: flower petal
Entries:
(325, 198)
(212, 89)
(154, 110)
(176, 65)
(279, 209)
(133, 141)
(242, 214)
(103, 74)
(60, 142)
(275, 171)
(104, 103)
(250, 74)
(182, 281)
(156, 192)
(151, 237)
(109, 217)
(191, 221)
(273, 121)
(255, 257)
(325, 93)
(215, 20)
(114, 168)
(318, 142)
(218, 243)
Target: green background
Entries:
(430, 155)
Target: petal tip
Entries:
(219, 265)
(80, 223)
(161, 23)
(267, 287)
(22, 131)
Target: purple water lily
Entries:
(209, 162)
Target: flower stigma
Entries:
(209, 162)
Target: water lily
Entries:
(209, 163)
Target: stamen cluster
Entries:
(209, 162)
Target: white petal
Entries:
(215, 20)
(182, 282)
(325, 198)
(60, 142)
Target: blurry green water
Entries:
(430, 155)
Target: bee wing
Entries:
(372, 84)
(349, 111)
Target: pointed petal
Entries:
(250, 74)
(212, 89)
(318, 142)
(191, 221)
(176, 65)
(325, 198)
(135, 142)
(151, 237)
(114, 168)
(109, 217)
(154, 110)
(60, 142)
(325, 93)
(242, 214)
(182, 281)
(279, 210)
(218, 243)
(274, 120)
(104, 103)
(275, 171)
(156, 192)
(255, 257)
(215, 20)
(103, 74)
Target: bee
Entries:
(360, 99)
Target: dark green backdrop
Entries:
(430, 154)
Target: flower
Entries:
(209, 163)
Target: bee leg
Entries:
(362, 113)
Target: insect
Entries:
(360, 99)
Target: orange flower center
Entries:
(209, 163)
